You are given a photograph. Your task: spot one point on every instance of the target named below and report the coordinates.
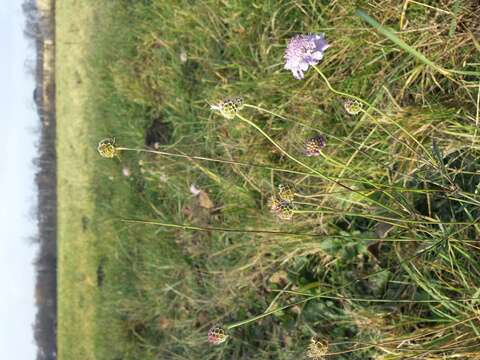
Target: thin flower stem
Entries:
(258, 108)
(424, 162)
(246, 231)
(376, 110)
(383, 345)
(247, 321)
(325, 177)
(319, 296)
(223, 161)
(396, 138)
(392, 221)
(381, 187)
(338, 163)
(417, 337)
(376, 300)
(265, 314)
(234, 162)
(377, 185)
(349, 143)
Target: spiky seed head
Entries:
(352, 106)
(317, 349)
(216, 335)
(314, 146)
(229, 107)
(106, 148)
(281, 208)
(285, 210)
(286, 193)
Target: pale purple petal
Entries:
(304, 51)
(317, 55)
(297, 74)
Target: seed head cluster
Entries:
(353, 107)
(282, 204)
(286, 193)
(314, 145)
(216, 335)
(106, 148)
(282, 209)
(229, 107)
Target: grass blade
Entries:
(390, 34)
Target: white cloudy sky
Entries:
(17, 139)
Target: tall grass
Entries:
(381, 257)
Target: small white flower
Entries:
(194, 190)
(164, 178)
(183, 56)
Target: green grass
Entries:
(381, 258)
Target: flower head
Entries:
(304, 51)
(281, 204)
(107, 149)
(229, 107)
(314, 145)
(286, 193)
(353, 107)
(282, 208)
(216, 335)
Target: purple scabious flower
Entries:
(304, 51)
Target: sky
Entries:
(18, 120)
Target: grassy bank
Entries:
(380, 258)
(96, 251)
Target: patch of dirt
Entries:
(158, 133)
(101, 272)
(85, 223)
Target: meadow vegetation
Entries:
(380, 259)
